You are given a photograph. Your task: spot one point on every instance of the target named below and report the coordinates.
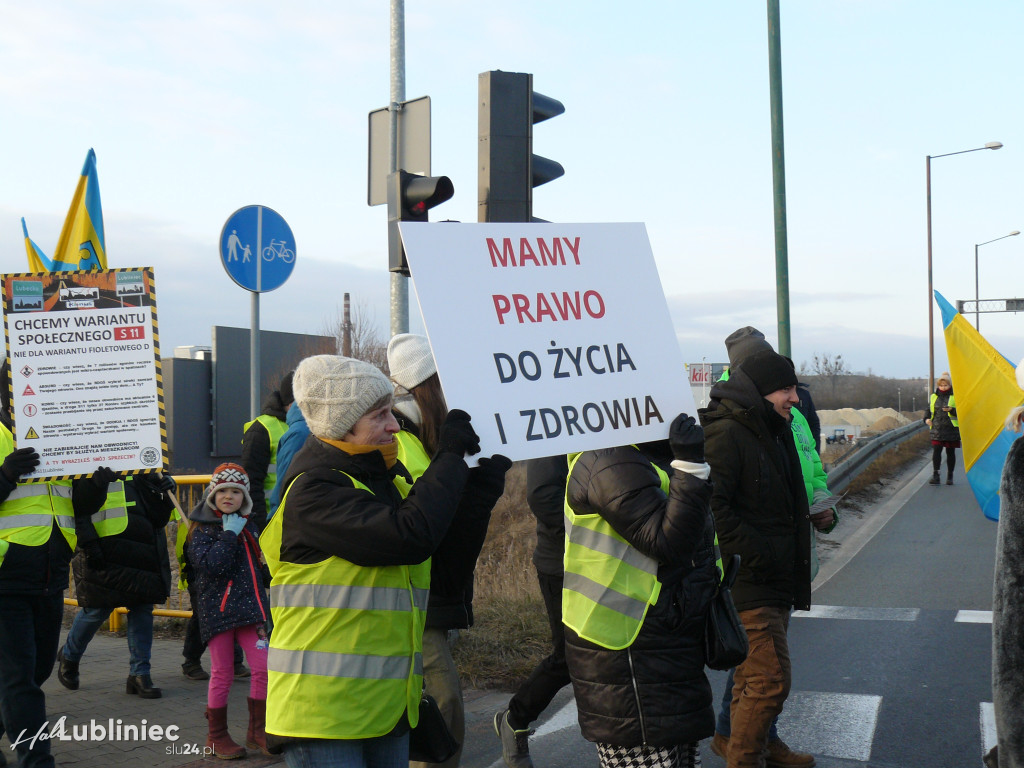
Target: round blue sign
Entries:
(257, 248)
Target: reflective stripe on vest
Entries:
(276, 429)
(342, 634)
(608, 584)
(28, 513)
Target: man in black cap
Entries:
(761, 514)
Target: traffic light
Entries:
(508, 169)
(410, 197)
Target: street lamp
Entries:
(977, 308)
(931, 310)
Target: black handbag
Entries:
(431, 741)
(725, 638)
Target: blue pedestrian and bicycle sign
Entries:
(257, 248)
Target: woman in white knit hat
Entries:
(349, 554)
(420, 409)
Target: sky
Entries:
(196, 109)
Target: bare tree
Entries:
(830, 367)
(368, 342)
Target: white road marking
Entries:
(566, 717)
(974, 617)
(802, 724)
(988, 726)
(863, 614)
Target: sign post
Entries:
(257, 249)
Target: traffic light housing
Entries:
(410, 198)
(508, 169)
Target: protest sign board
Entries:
(555, 338)
(85, 370)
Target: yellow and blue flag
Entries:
(985, 385)
(81, 245)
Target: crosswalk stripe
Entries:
(861, 614)
(801, 723)
(987, 712)
(974, 617)
(566, 717)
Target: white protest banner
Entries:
(555, 338)
(85, 370)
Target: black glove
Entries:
(102, 477)
(89, 494)
(166, 484)
(489, 476)
(686, 439)
(94, 556)
(457, 435)
(19, 462)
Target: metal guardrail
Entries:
(842, 473)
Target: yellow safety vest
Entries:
(27, 515)
(413, 457)
(276, 429)
(346, 654)
(951, 404)
(608, 584)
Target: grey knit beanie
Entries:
(410, 360)
(334, 392)
(744, 342)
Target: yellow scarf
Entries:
(389, 451)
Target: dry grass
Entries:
(511, 633)
(889, 464)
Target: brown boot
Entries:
(219, 740)
(720, 745)
(256, 736)
(779, 755)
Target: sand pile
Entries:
(870, 419)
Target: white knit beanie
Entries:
(334, 392)
(410, 360)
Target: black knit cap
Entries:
(285, 390)
(769, 371)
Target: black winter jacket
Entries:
(327, 515)
(759, 502)
(138, 569)
(942, 429)
(655, 692)
(256, 453)
(229, 575)
(453, 563)
(545, 494)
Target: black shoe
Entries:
(241, 670)
(143, 686)
(949, 479)
(193, 670)
(935, 479)
(67, 671)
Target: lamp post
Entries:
(931, 310)
(977, 309)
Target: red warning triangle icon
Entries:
(28, 391)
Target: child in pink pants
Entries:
(226, 563)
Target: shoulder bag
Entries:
(725, 639)
(431, 741)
